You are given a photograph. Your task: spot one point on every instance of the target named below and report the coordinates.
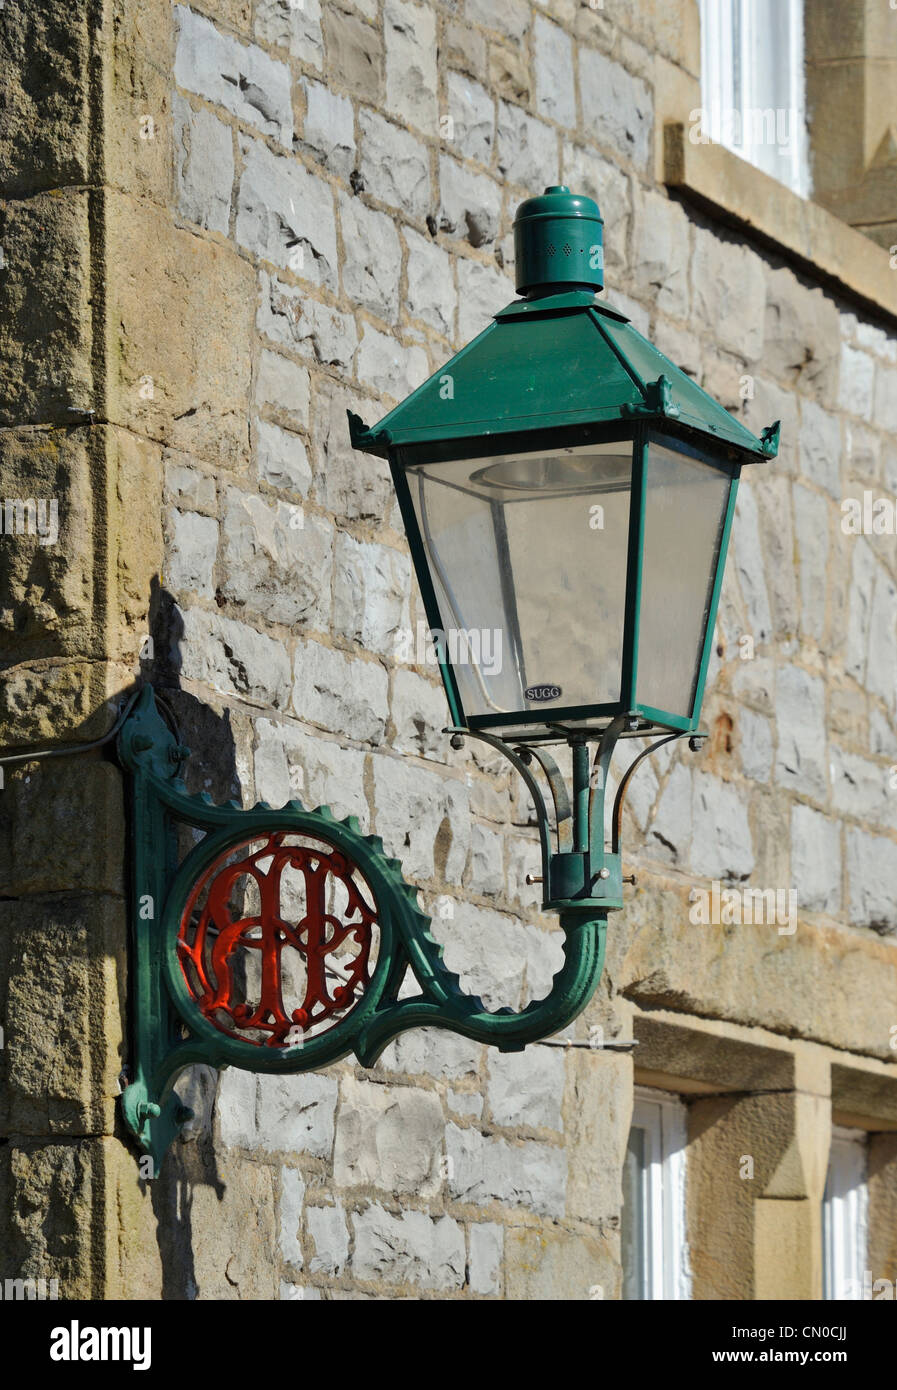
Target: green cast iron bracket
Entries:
(172, 1027)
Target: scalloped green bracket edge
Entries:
(167, 1032)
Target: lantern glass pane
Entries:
(685, 512)
(527, 555)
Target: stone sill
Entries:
(830, 250)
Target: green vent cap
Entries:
(558, 243)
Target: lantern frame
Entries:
(592, 719)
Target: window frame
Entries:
(845, 1216)
(664, 1264)
(734, 28)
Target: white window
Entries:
(752, 84)
(655, 1254)
(844, 1216)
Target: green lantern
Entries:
(567, 494)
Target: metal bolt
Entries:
(630, 878)
(604, 873)
(457, 740)
(534, 878)
(696, 742)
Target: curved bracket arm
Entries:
(617, 819)
(563, 809)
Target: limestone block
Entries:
(182, 310)
(411, 1248)
(800, 722)
(527, 1088)
(671, 828)
(329, 1238)
(294, 27)
(285, 214)
(420, 714)
(470, 203)
(464, 48)
(394, 165)
(63, 976)
(289, 318)
(748, 556)
(204, 149)
(370, 593)
(550, 1264)
(586, 172)
(661, 254)
(292, 1196)
(801, 336)
(484, 1169)
(617, 108)
(242, 78)
(192, 552)
(289, 763)
(338, 693)
(509, 73)
(283, 387)
(728, 296)
(422, 818)
(871, 865)
(328, 131)
(812, 522)
(233, 658)
(856, 392)
(46, 374)
(354, 53)
(431, 295)
(486, 862)
(815, 860)
(389, 1138)
(387, 367)
(509, 17)
(273, 567)
(486, 1252)
(527, 149)
(553, 66)
(411, 80)
(282, 458)
(373, 258)
(472, 111)
(350, 484)
(482, 293)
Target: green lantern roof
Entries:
(558, 357)
(560, 360)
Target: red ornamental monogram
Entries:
(213, 946)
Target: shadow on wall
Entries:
(190, 1162)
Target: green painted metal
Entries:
(558, 241)
(714, 601)
(169, 1032)
(634, 567)
(558, 364)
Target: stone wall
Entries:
(231, 222)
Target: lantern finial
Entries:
(557, 243)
